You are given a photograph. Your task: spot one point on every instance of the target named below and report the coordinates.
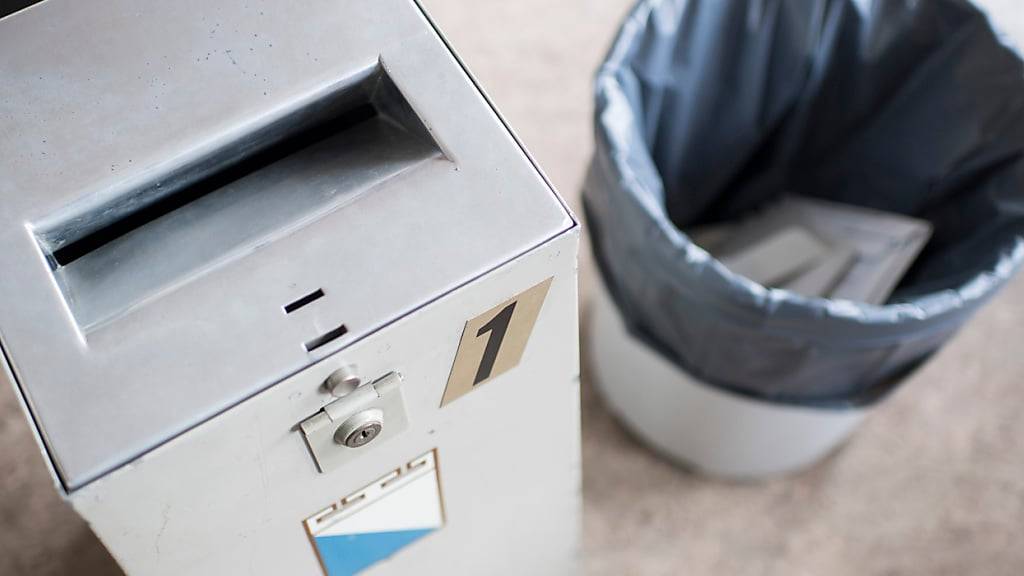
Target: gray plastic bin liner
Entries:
(709, 109)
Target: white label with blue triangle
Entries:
(379, 520)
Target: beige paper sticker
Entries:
(493, 342)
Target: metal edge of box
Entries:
(498, 115)
(7, 373)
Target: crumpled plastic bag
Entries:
(709, 109)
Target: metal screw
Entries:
(360, 429)
(343, 381)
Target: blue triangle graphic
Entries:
(350, 553)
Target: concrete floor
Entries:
(933, 484)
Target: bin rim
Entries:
(617, 124)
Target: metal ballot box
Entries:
(282, 294)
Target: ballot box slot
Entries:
(116, 249)
(228, 166)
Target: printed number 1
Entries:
(498, 326)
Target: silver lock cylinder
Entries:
(360, 429)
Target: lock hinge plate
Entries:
(381, 398)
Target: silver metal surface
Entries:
(343, 381)
(251, 480)
(164, 329)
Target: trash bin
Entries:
(708, 110)
(281, 294)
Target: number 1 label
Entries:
(493, 342)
